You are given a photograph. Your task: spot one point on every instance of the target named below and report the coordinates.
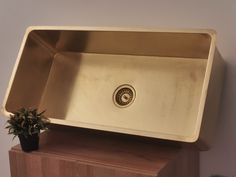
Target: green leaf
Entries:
(27, 121)
(41, 113)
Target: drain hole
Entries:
(124, 95)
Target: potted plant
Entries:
(27, 124)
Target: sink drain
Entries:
(124, 95)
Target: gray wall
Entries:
(16, 15)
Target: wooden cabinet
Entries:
(40, 165)
(83, 153)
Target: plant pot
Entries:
(30, 143)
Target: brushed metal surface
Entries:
(73, 72)
(166, 89)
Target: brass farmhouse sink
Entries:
(157, 83)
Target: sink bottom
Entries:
(80, 89)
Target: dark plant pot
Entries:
(30, 143)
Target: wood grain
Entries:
(84, 153)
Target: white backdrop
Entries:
(16, 15)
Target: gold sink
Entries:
(156, 83)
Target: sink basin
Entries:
(147, 82)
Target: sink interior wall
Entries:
(163, 44)
(31, 74)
